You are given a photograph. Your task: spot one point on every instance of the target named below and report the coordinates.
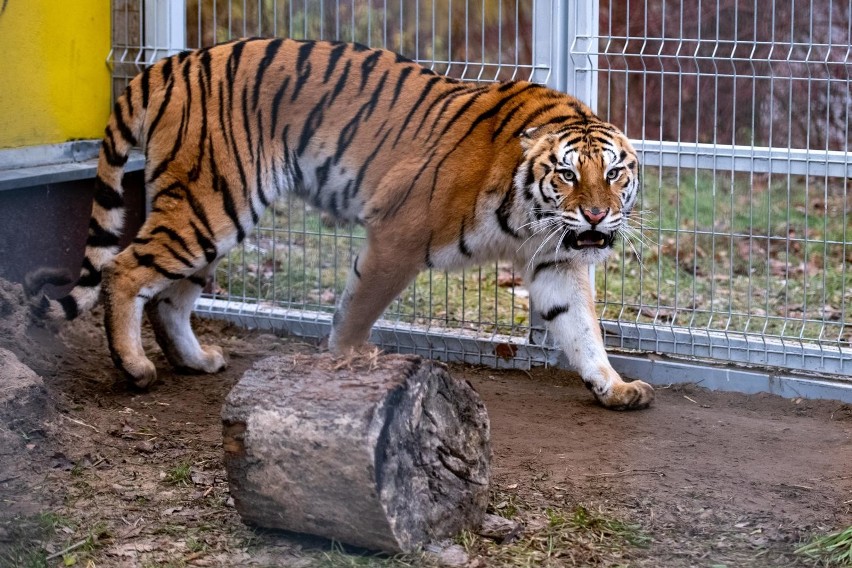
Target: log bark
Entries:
(384, 452)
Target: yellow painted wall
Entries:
(54, 80)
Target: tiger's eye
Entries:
(568, 176)
(613, 174)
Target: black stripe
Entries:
(179, 257)
(332, 205)
(246, 125)
(367, 67)
(303, 68)
(504, 211)
(148, 261)
(503, 123)
(223, 129)
(166, 98)
(232, 66)
(534, 115)
(107, 197)
(463, 248)
(347, 134)
(206, 244)
(572, 141)
(113, 158)
(555, 312)
(230, 207)
(92, 277)
(198, 281)
(195, 170)
(355, 268)
(322, 172)
(544, 266)
(178, 143)
(175, 190)
(447, 96)
(346, 194)
(258, 166)
(146, 87)
(377, 93)
(312, 124)
(205, 65)
(403, 75)
(428, 258)
(333, 58)
(362, 171)
(69, 304)
(173, 235)
(100, 237)
(488, 113)
(187, 105)
(276, 103)
(423, 94)
(268, 57)
(341, 82)
(118, 113)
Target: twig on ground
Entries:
(68, 549)
(627, 472)
(80, 422)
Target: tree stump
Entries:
(385, 452)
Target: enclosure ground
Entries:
(700, 479)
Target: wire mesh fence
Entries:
(740, 112)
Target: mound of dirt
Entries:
(26, 412)
(14, 321)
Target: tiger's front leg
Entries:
(562, 294)
(378, 274)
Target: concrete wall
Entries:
(54, 80)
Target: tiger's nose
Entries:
(595, 215)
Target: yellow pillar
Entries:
(54, 80)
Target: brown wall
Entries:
(47, 225)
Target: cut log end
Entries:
(385, 452)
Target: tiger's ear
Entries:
(528, 138)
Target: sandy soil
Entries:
(705, 478)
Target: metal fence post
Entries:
(165, 28)
(565, 58)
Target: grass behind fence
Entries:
(735, 252)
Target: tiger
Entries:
(440, 172)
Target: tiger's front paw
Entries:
(635, 395)
(140, 372)
(209, 359)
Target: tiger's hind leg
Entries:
(156, 264)
(169, 313)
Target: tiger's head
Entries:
(580, 183)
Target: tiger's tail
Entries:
(106, 224)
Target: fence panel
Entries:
(740, 112)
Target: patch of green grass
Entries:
(26, 535)
(833, 550)
(557, 534)
(179, 475)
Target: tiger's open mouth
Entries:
(588, 239)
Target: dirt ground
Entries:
(700, 479)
